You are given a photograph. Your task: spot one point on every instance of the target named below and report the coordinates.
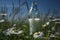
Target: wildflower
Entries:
(14, 25)
(38, 35)
(13, 31)
(2, 20)
(10, 31)
(41, 34)
(35, 35)
(19, 32)
(52, 35)
(47, 23)
(44, 25)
